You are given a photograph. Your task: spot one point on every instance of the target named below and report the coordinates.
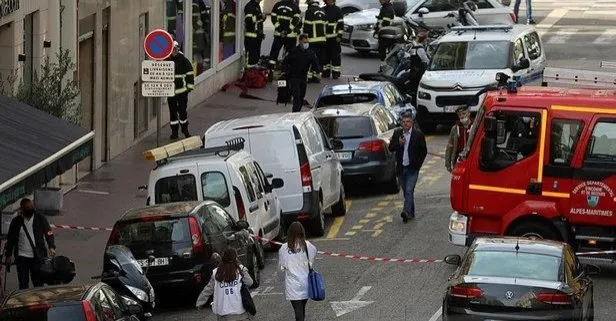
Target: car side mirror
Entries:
(269, 175)
(453, 259)
(591, 269)
(277, 183)
(242, 225)
(336, 143)
(134, 308)
(423, 11)
(522, 64)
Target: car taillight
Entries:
(40, 307)
(115, 234)
(554, 297)
(306, 174)
(195, 235)
(373, 146)
(467, 292)
(239, 203)
(87, 309)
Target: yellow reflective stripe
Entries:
(318, 39)
(486, 188)
(229, 34)
(285, 18)
(336, 68)
(190, 73)
(544, 122)
(181, 90)
(555, 194)
(579, 109)
(250, 34)
(179, 76)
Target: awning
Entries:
(35, 147)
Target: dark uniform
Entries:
(333, 33)
(384, 19)
(202, 42)
(296, 66)
(227, 30)
(184, 83)
(314, 26)
(287, 20)
(253, 33)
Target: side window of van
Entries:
(533, 45)
(176, 189)
(518, 51)
(214, 187)
(602, 145)
(247, 184)
(315, 130)
(260, 174)
(254, 178)
(564, 137)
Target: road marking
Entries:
(335, 228)
(562, 36)
(350, 233)
(383, 203)
(357, 227)
(370, 215)
(332, 239)
(88, 191)
(364, 221)
(437, 314)
(343, 307)
(377, 233)
(607, 38)
(552, 18)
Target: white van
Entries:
(467, 59)
(294, 147)
(226, 174)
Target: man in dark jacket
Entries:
(384, 19)
(184, 83)
(296, 66)
(26, 242)
(409, 143)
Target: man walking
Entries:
(26, 242)
(458, 137)
(529, 12)
(184, 83)
(409, 143)
(333, 33)
(315, 23)
(253, 33)
(287, 20)
(384, 19)
(295, 66)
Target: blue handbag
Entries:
(316, 286)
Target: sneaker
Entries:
(531, 22)
(405, 217)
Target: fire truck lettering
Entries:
(591, 212)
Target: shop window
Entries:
(202, 35)
(227, 42)
(175, 21)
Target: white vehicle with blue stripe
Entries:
(467, 59)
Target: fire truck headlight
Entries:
(457, 223)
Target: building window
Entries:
(175, 21)
(202, 35)
(227, 42)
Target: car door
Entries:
(249, 192)
(332, 164)
(317, 159)
(272, 223)
(438, 9)
(221, 224)
(520, 53)
(536, 57)
(259, 188)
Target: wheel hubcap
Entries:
(532, 236)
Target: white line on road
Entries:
(551, 20)
(607, 38)
(437, 314)
(361, 293)
(562, 36)
(88, 191)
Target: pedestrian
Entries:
(253, 33)
(184, 83)
(529, 12)
(287, 20)
(315, 23)
(226, 284)
(25, 241)
(384, 19)
(458, 137)
(296, 66)
(293, 259)
(333, 33)
(409, 143)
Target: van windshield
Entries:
(472, 55)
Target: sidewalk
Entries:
(104, 195)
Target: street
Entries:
(575, 35)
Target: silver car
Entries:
(359, 25)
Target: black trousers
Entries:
(319, 50)
(332, 58)
(287, 42)
(299, 307)
(384, 47)
(25, 272)
(177, 112)
(298, 92)
(253, 49)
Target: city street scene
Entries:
(412, 160)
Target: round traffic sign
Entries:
(158, 44)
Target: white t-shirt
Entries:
(294, 265)
(227, 297)
(23, 246)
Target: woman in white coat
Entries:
(294, 257)
(225, 285)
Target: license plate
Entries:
(451, 109)
(344, 156)
(159, 261)
(282, 83)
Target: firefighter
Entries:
(287, 20)
(335, 27)
(228, 28)
(384, 19)
(253, 33)
(458, 137)
(184, 83)
(201, 40)
(314, 26)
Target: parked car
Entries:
(363, 132)
(293, 147)
(359, 25)
(501, 278)
(179, 243)
(69, 302)
(376, 92)
(226, 174)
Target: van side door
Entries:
(519, 53)
(177, 185)
(250, 196)
(317, 160)
(536, 57)
(272, 220)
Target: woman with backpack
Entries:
(225, 285)
(295, 257)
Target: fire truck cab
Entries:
(541, 162)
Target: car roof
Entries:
(357, 87)
(361, 109)
(170, 210)
(487, 35)
(508, 244)
(267, 121)
(535, 97)
(48, 294)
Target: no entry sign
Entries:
(158, 44)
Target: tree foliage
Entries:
(52, 89)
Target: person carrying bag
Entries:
(229, 285)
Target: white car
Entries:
(359, 26)
(292, 146)
(467, 60)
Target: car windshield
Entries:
(149, 231)
(473, 132)
(514, 265)
(472, 55)
(346, 127)
(346, 99)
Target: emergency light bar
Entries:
(582, 78)
(173, 149)
(482, 28)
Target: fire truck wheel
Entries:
(534, 230)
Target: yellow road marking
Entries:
(370, 215)
(351, 233)
(336, 239)
(335, 228)
(387, 219)
(377, 233)
(357, 227)
(383, 203)
(377, 208)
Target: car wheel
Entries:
(339, 209)
(317, 224)
(393, 186)
(534, 230)
(260, 255)
(253, 268)
(347, 10)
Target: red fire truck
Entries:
(541, 162)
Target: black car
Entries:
(519, 279)
(69, 302)
(360, 135)
(180, 243)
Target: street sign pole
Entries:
(159, 110)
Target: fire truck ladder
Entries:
(581, 78)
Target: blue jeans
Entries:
(408, 180)
(529, 9)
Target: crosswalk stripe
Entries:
(607, 38)
(562, 36)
